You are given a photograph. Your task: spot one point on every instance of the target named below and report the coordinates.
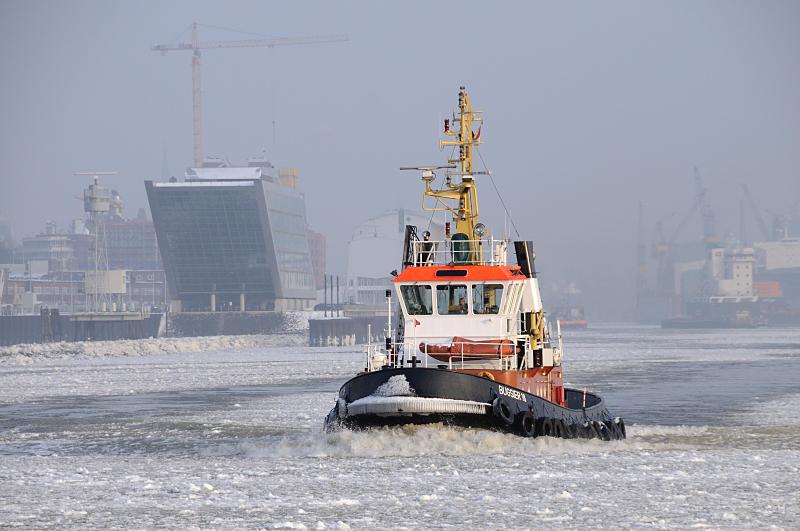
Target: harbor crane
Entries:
(196, 45)
(662, 249)
(710, 238)
(762, 225)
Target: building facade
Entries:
(143, 290)
(233, 238)
(131, 243)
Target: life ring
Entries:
(545, 427)
(527, 424)
(621, 426)
(486, 374)
(558, 429)
(502, 410)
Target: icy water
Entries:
(234, 440)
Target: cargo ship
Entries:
(471, 344)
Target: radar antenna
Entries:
(97, 203)
(459, 197)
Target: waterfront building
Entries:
(233, 238)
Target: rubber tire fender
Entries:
(601, 430)
(613, 430)
(502, 411)
(620, 422)
(544, 427)
(558, 429)
(526, 423)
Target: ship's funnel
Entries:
(525, 258)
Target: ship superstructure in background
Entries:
(470, 343)
(234, 238)
(712, 283)
(727, 296)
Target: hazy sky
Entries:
(589, 108)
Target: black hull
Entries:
(506, 408)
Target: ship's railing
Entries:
(408, 353)
(461, 355)
(459, 252)
(377, 357)
(416, 351)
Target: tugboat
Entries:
(473, 346)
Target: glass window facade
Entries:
(287, 221)
(231, 238)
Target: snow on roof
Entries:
(201, 184)
(222, 174)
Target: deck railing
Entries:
(459, 252)
(458, 358)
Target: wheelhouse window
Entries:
(486, 298)
(451, 299)
(417, 299)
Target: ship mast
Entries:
(460, 197)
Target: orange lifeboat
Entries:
(483, 349)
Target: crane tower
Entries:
(196, 45)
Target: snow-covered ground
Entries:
(231, 438)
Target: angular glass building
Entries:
(233, 239)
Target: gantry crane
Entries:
(196, 45)
(662, 247)
(710, 238)
(762, 226)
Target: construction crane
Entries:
(762, 225)
(196, 45)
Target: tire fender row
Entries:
(512, 416)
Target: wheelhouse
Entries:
(459, 291)
(440, 303)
